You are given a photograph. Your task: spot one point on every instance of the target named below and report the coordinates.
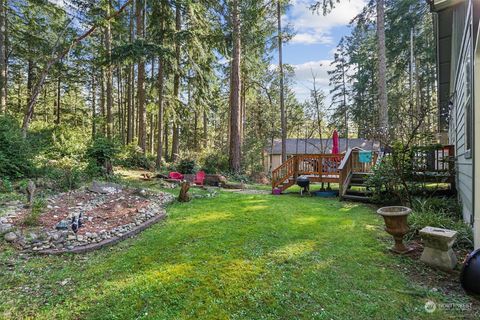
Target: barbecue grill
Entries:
(303, 182)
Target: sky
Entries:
(315, 40)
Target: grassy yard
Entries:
(235, 256)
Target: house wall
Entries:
(461, 92)
(477, 134)
(272, 161)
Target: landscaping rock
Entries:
(10, 237)
(5, 227)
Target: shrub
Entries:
(215, 162)
(132, 156)
(187, 166)
(14, 150)
(386, 185)
(31, 219)
(100, 155)
(6, 185)
(440, 213)
(66, 173)
(447, 206)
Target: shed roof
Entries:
(312, 146)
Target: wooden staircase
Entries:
(354, 175)
(357, 189)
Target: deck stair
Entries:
(357, 189)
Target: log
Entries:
(234, 186)
(215, 180)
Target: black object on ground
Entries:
(470, 276)
(303, 182)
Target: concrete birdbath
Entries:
(396, 225)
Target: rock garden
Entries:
(83, 219)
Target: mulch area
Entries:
(107, 210)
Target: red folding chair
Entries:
(175, 176)
(200, 178)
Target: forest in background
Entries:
(158, 83)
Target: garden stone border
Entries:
(104, 243)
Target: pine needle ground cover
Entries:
(235, 256)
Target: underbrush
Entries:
(440, 213)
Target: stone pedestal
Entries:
(438, 247)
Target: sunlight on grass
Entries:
(305, 220)
(255, 208)
(235, 256)
(207, 217)
(294, 250)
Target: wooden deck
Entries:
(347, 170)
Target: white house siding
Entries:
(457, 132)
(477, 137)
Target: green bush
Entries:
(15, 157)
(447, 206)
(100, 154)
(65, 174)
(32, 218)
(215, 162)
(385, 184)
(132, 156)
(440, 213)
(6, 185)
(187, 166)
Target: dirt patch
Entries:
(106, 212)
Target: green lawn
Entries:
(235, 256)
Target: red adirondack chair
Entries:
(200, 178)
(175, 176)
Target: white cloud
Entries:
(304, 74)
(313, 28)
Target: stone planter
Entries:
(396, 225)
(438, 247)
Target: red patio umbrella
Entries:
(335, 147)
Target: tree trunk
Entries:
(58, 101)
(160, 113)
(205, 131)
(102, 101)
(109, 74)
(130, 86)
(30, 74)
(94, 105)
(120, 105)
(283, 118)
(382, 73)
(142, 112)
(176, 84)
(165, 130)
(3, 58)
(235, 86)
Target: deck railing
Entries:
(319, 165)
(351, 164)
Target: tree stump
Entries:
(30, 193)
(184, 196)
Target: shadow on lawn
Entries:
(214, 258)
